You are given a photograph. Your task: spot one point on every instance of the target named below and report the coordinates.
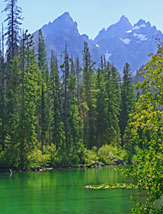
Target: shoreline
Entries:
(44, 169)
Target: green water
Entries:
(62, 192)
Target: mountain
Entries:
(123, 42)
(62, 31)
(120, 42)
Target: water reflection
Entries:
(62, 191)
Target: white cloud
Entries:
(125, 41)
(142, 37)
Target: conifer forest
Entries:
(77, 112)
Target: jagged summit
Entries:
(66, 14)
(65, 20)
(142, 24)
(65, 17)
(63, 30)
(116, 29)
(120, 43)
(123, 23)
(141, 21)
(124, 20)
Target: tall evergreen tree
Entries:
(28, 86)
(13, 26)
(21, 121)
(2, 93)
(12, 99)
(127, 98)
(88, 97)
(71, 119)
(65, 91)
(56, 125)
(78, 76)
(73, 116)
(101, 109)
(113, 108)
(44, 88)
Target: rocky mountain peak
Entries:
(124, 20)
(123, 24)
(120, 43)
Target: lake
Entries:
(62, 192)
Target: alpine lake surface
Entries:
(62, 192)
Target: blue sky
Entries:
(91, 15)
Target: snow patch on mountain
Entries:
(129, 31)
(126, 41)
(142, 37)
(107, 55)
(136, 27)
(142, 25)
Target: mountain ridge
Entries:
(120, 43)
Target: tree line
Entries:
(53, 114)
(60, 109)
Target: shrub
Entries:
(109, 153)
(36, 158)
(91, 155)
(10, 157)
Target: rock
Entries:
(119, 162)
(96, 164)
(41, 169)
(81, 166)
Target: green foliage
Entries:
(61, 116)
(9, 158)
(109, 153)
(13, 27)
(36, 158)
(88, 98)
(137, 152)
(91, 156)
(101, 109)
(146, 127)
(49, 158)
(113, 106)
(56, 126)
(146, 208)
(127, 99)
(43, 106)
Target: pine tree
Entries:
(127, 98)
(14, 21)
(113, 108)
(65, 91)
(73, 148)
(73, 117)
(89, 97)
(11, 97)
(27, 91)
(56, 126)
(44, 88)
(78, 77)
(2, 94)
(101, 109)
